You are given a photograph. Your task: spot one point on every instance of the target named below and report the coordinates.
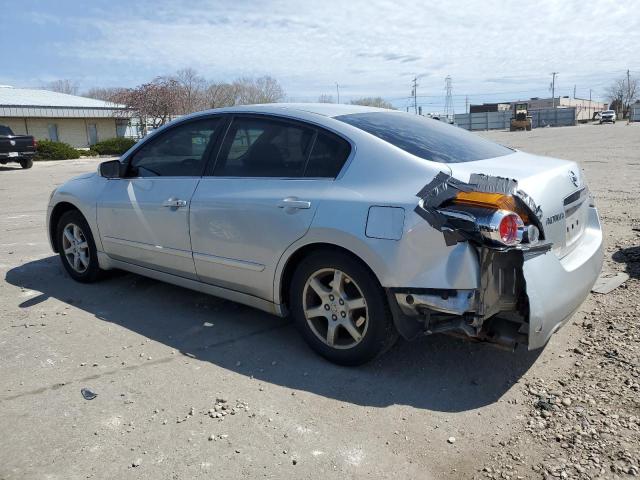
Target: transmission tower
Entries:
(448, 101)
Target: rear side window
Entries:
(261, 147)
(426, 138)
(328, 156)
(5, 131)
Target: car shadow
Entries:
(631, 258)
(439, 373)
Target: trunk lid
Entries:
(556, 186)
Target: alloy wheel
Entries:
(335, 308)
(75, 247)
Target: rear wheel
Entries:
(26, 163)
(77, 248)
(340, 309)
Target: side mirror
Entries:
(111, 169)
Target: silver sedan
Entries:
(362, 224)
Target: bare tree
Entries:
(623, 93)
(373, 102)
(258, 90)
(191, 97)
(106, 94)
(218, 95)
(244, 91)
(325, 98)
(67, 86)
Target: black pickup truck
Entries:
(16, 148)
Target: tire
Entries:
(372, 323)
(86, 269)
(26, 163)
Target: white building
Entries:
(78, 121)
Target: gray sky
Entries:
(493, 49)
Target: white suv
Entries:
(608, 116)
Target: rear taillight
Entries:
(501, 226)
(34, 143)
(490, 200)
(511, 229)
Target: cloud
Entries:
(375, 47)
(390, 57)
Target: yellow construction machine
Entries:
(521, 119)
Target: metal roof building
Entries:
(79, 121)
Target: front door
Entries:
(144, 218)
(261, 197)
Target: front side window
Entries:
(178, 152)
(260, 147)
(426, 138)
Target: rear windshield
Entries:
(426, 138)
(5, 131)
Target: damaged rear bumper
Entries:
(557, 287)
(524, 296)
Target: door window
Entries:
(256, 147)
(328, 156)
(180, 151)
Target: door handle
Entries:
(174, 203)
(293, 202)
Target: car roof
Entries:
(324, 109)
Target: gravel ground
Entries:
(191, 386)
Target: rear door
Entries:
(144, 218)
(260, 197)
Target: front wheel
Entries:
(77, 248)
(341, 309)
(26, 163)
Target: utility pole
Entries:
(414, 94)
(590, 117)
(466, 104)
(574, 91)
(553, 89)
(338, 91)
